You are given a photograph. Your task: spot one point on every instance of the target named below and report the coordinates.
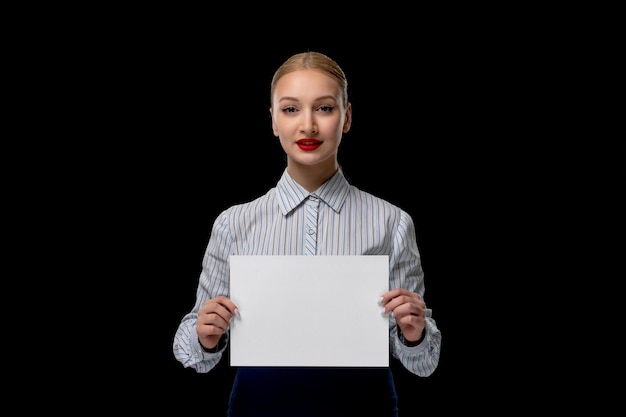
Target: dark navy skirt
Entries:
(313, 392)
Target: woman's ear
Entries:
(348, 122)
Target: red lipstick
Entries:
(308, 144)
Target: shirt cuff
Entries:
(408, 343)
(217, 349)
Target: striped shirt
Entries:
(336, 219)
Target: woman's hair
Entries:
(317, 61)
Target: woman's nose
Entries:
(309, 125)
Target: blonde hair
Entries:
(313, 60)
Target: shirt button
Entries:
(311, 231)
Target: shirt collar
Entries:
(291, 194)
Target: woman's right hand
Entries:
(213, 320)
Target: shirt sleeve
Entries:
(406, 272)
(213, 281)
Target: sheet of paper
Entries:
(309, 311)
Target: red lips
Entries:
(308, 144)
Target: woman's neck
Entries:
(311, 177)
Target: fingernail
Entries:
(237, 312)
(380, 300)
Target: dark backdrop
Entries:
(184, 131)
(135, 128)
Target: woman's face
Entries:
(309, 118)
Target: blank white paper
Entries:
(309, 311)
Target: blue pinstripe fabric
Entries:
(345, 221)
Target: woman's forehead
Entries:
(306, 83)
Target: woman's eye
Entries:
(326, 108)
(289, 109)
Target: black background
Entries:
(163, 124)
(185, 132)
(427, 135)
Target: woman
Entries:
(310, 112)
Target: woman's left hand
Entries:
(408, 310)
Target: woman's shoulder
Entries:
(375, 203)
(363, 195)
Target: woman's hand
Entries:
(213, 320)
(408, 309)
